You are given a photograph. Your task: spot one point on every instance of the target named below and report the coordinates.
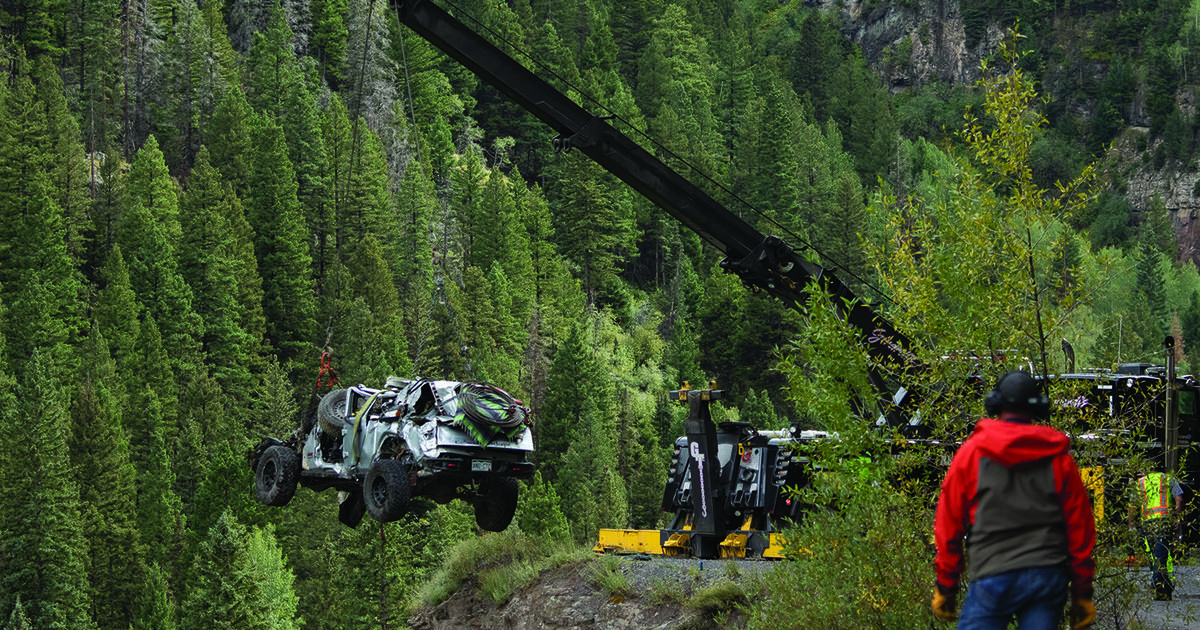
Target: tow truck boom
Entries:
(766, 263)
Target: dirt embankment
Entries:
(658, 594)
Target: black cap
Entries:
(1017, 392)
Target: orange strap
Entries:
(327, 371)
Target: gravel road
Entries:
(1181, 613)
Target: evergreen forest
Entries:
(198, 198)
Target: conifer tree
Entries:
(36, 273)
(372, 283)
(43, 544)
(329, 37)
(150, 186)
(156, 610)
(593, 225)
(371, 75)
(859, 105)
(116, 311)
(366, 206)
(229, 140)
(144, 233)
(270, 65)
(675, 79)
(539, 513)
(758, 410)
(208, 262)
(301, 123)
(223, 592)
(268, 567)
(100, 455)
(160, 521)
(575, 375)
(71, 181)
(187, 97)
(415, 203)
(18, 620)
(593, 495)
(281, 246)
(250, 314)
(154, 371)
(466, 198)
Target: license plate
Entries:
(481, 465)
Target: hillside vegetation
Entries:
(199, 198)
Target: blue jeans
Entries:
(1035, 597)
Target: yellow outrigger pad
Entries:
(648, 541)
(629, 540)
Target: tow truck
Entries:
(725, 482)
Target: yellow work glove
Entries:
(944, 603)
(1083, 613)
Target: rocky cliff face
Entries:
(915, 42)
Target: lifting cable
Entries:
(439, 294)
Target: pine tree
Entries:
(270, 65)
(268, 567)
(223, 593)
(593, 495)
(70, 178)
(301, 123)
(43, 544)
(145, 235)
(208, 262)
(150, 185)
(1150, 284)
(371, 75)
(251, 318)
(40, 284)
(160, 521)
(858, 103)
(372, 283)
(191, 83)
(593, 225)
(116, 311)
(18, 620)
(413, 269)
(329, 37)
(759, 411)
(538, 512)
(281, 246)
(675, 75)
(156, 610)
(101, 459)
(230, 142)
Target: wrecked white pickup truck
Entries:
(382, 447)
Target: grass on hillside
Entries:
(500, 563)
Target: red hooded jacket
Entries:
(1014, 492)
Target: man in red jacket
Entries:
(1014, 492)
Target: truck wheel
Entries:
(275, 478)
(331, 412)
(496, 504)
(351, 509)
(386, 490)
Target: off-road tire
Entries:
(275, 477)
(497, 503)
(331, 412)
(386, 490)
(352, 509)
